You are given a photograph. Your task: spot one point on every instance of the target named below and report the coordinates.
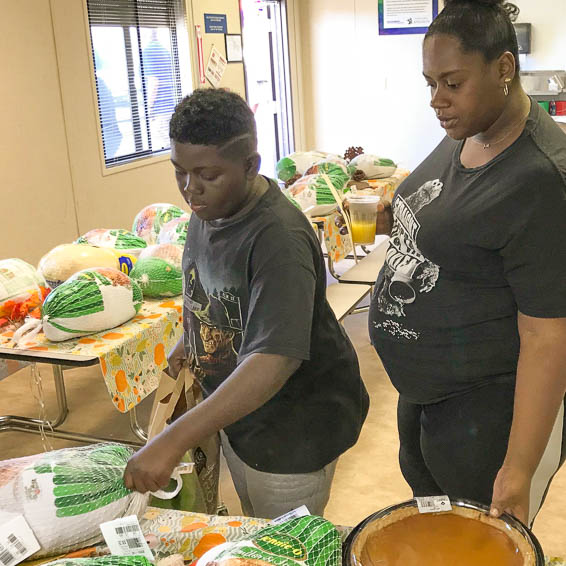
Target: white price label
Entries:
(124, 537)
(17, 541)
(433, 504)
(301, 511)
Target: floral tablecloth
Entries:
(385, 188)
(132, 356)
(336, 239)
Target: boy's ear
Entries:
(253, 163)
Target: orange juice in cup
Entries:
(363, 217)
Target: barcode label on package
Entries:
(434, 504)
(124, 537)
(301, 511)
(17, 541)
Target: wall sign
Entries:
(215, 23)
(215, 67)
(406, 16)
(234, 51)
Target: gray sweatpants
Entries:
(270, 495)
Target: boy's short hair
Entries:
(215, 116)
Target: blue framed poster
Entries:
(398, 17)
(215, 23)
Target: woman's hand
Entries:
(150, 468)
(384, 223)
(511, 493)
(176, 359)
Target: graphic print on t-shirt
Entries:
(407, 271)
(214, 330)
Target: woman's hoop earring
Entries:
(506, 87)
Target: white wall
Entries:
(52, 183)
(548, 19)
(360, 88)
(36, 192)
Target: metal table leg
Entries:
(135, 426)
(8, 422)
(49, 428)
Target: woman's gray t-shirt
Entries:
(469, 249)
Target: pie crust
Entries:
(360, 539)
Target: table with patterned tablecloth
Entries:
(131, 356)
(336, 239)
(192, 534)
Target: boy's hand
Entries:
(176, 359)
(150, 468)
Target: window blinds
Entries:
(142, 70)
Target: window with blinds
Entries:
(142, 70)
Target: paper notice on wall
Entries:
(215, 67)
(407, 13)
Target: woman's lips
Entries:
(447, 123)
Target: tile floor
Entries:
(367, 477)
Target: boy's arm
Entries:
(256, 380)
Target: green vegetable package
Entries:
(306, 541)
(64, 495)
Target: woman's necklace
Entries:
(511, 130)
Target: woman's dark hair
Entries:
(212, 117)
(482, 26)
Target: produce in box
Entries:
(150, 220)
(64, 495)
(159, 272)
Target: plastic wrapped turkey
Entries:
(175, 231)
(159, 272)
(121, 240)
(90, 301)
(64, 495)
(150, 220)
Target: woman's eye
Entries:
(453, 85)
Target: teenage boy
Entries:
(280, 377)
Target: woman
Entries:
(468, 312)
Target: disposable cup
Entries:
(363, 217)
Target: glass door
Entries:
(266, 64)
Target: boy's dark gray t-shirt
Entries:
(257, 284)
(469, 249)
